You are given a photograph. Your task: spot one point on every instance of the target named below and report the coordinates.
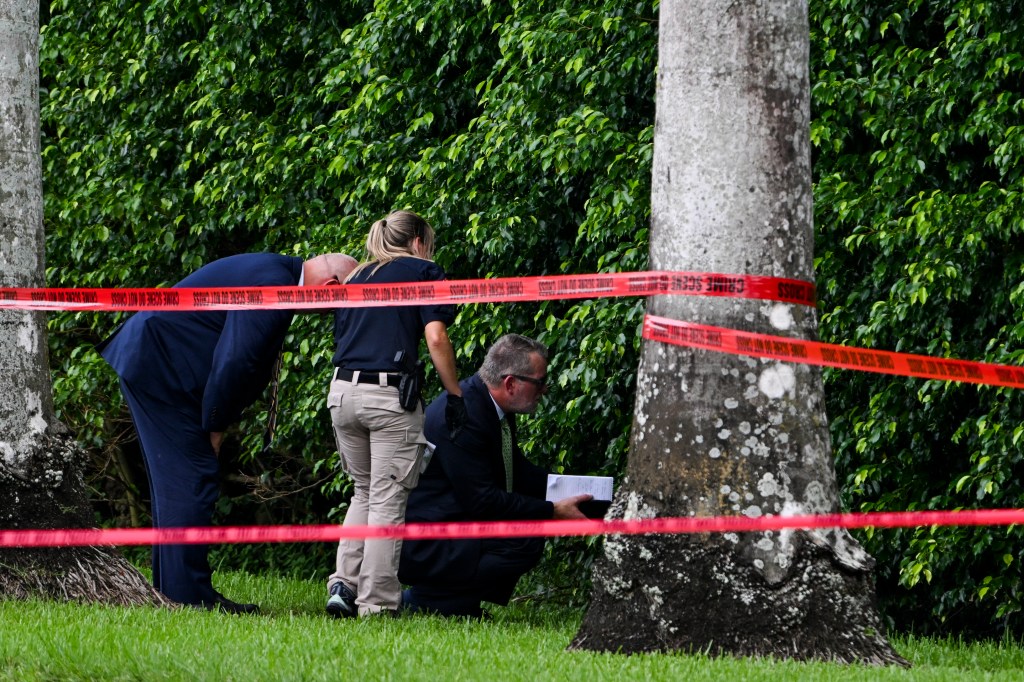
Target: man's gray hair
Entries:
(510, 355)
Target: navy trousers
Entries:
(184, 486)
(502, 563)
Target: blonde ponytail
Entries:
(391, 238)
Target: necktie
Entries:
(506, 452)
(275, 385)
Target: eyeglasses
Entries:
(541, 383)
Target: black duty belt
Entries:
(367, 377)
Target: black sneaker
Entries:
(342, 603)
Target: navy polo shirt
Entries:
(368, 338)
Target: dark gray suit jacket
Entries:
(465, 481)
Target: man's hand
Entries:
(569, 507)
(455, 415)
(216, 438)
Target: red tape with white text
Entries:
(496, 290)
(502, 529)
(735, 342)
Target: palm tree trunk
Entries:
(714, 434)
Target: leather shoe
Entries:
(222, 603)
(453, 607)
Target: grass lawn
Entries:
(295, 640)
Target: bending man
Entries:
(186, 377)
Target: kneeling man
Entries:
(481, 475)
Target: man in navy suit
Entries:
(186, 377)
(469, 478)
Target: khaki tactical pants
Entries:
(381, 447)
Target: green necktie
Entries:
(506, 452)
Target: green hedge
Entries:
(919, 216)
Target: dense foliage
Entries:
(179, 131)
(920, 213)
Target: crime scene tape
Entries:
(529, 289)
(501, 529)
(495, 290)
(726, 340)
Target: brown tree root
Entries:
(46, 491)
(79, 574)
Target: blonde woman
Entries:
(381, 442)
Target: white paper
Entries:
(561, 487)
(428, 452)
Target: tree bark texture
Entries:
(716, 434)
(25, 396)
(40, 464)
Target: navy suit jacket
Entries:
(465, 481)
(220, 359)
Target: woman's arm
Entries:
(442, 355)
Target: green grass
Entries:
(295, 640)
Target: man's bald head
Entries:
(327, 269)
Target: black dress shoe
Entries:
(454, 607)
(222, 603)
